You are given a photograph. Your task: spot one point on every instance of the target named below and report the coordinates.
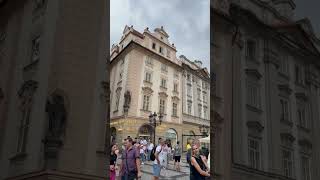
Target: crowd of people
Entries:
(135, 152)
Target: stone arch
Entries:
(146, 130)
(171, 134)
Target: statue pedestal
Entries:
(51, 151)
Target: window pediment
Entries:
(301, 96)
(163, 94)
(285, 88)
(253, 73)
(175, 98)
(287, 136)
(147, 90)
(255, 125)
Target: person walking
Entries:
(189, 153)
(130, 164)
(159, 156)
(198, 169)
(177, 155)
(113, 159)
(142, 156)
(150, 147)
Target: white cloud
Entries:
(186, 21)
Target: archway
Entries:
(172, 135)
(145, 131)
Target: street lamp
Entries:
(204, 129)
(153, 122)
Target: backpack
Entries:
(152, 155)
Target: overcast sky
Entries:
(310, 9)
(186, 21)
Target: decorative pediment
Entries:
(255, 125)
(305, 143)
(254, 73)
(302, 96)
(287, 136)
(147, 90)
(285, 88)
(175, 98)
(163, 94)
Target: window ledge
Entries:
(174, 116)
(144, 110)
(162, 87)
(147, 82)
(254, 109)
(18, 156)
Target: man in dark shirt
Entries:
(130, 165)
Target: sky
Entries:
(310, 9)
(186, 21)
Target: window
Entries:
(149, 61)
(189, 104)
(168, 53)
(298, 74)
(154, 46)
(305, 168)
(199, 94)
(148, 77)
(301, 112)
(253, 95)
(163, 83)
(175, 87)
(200, 110)
(205, 112)
(254, 153)
(160, 50)
(189, 93)
(251, 50)
(204, 97)
(284, 65)
(35, 51)
(164, 68)
(174, 109)
(188, 77)
(162, 106)
(118, 93)
(146, 102)
(287, 163)
(284, 110)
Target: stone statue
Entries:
(127, 99)
(57, 116)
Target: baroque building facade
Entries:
(51, 125)
(266, 67)
(147, 77)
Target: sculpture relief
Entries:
(55, 108)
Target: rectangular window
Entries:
(200, 110)
(284, 65)
(162, 106)
(188, 77)
(148, 77)
(301, 112)
(163, 83)
(146, 102)
(205, 112)
(284, 110)
(154, 46)
(160, 50)
(305, 168)
(35, 51)
(189, 107)
(168, 53)
(149, 61)
(189, 93)
(175, 87)
(287, 163)
(251, 50)
(199, 94)
(254, 154)
(298, 74)
(253, 95)
(204, 97)
(118, 93)
(174, 109)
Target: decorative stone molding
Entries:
(175, 98)
(302, 96)
(163, 94)
(287, 136)
(271, 57)
(285, 88)
(253, 73)
(147, 90)
(255, 125)
(305, 143)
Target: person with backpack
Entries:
(177, 156)
(130, 164)
(157, 156)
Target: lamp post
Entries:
(204, 129)
(153, 122)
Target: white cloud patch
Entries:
(186, 21)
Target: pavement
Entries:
(166, 173)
